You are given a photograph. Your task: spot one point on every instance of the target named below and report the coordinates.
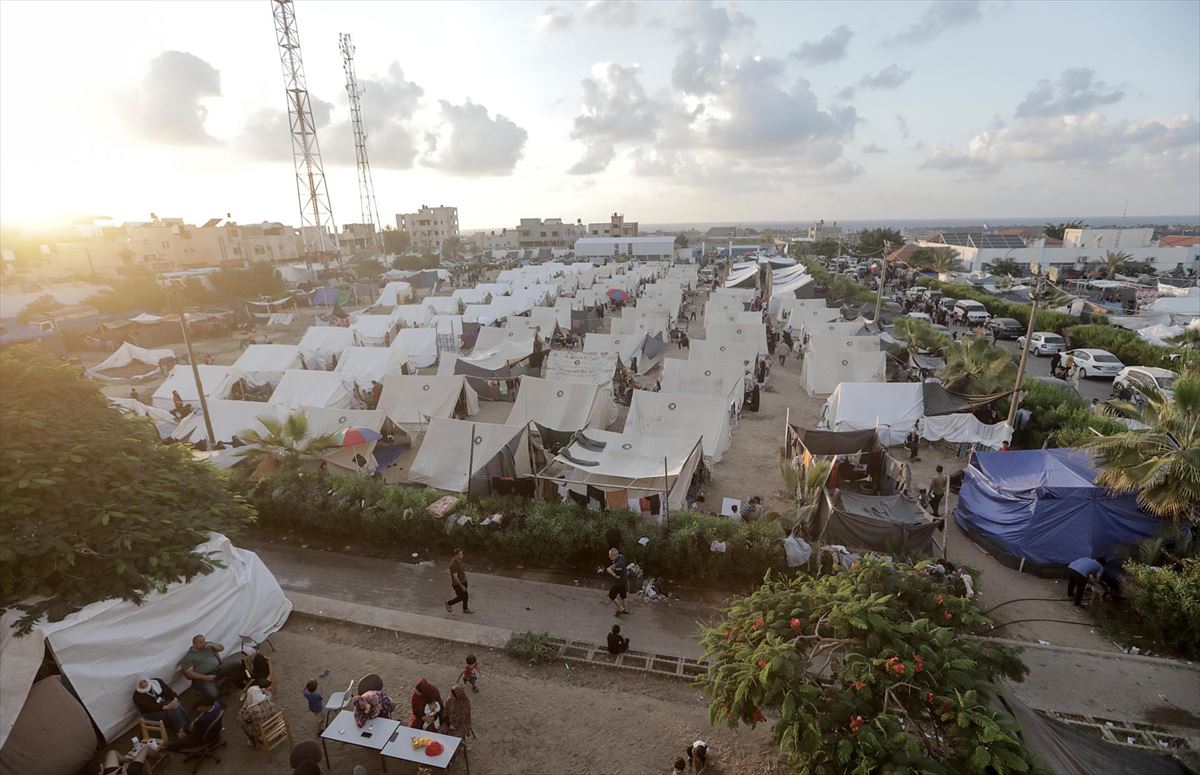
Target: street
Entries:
(1094, 387)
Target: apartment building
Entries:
(429, 227)
(616, 227)
(548, 233)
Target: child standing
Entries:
(470, 672)
(316, 703)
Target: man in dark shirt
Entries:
(937, 490)
(203, 666)
(458, 582)
(619, 589)
(617, 643)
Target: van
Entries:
(970, 313)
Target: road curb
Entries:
(1025, 644)
(401, 621)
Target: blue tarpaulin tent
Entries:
(1040, 508)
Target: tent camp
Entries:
(650, 325)
(164, 421)
(472, 295)
(626, 346)
(358, 458)
(848, 343)
(360, 365)
(879, 522)
(1040, 509)
(745, 277)
(419, 344)
(410, 401)
(707, 379)
(738, 333)
(374, 330)
(229, 419)
(105, 647)
(725, 352)
(670, 416)
(733, 317)
(490, 337)
(561, 406)
(299, 388)
(264, 364)
(128, 354)
(395, 292)
(583, 367)
(823, 370)
(452, 449)
(412, 315)
(443, 305)
(626, 466)
(839, 328)
(218, 382)
(321, 344)
(484, 314)
(893, 409)
(547, 318)
(492, 372)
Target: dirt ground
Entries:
(528, 720)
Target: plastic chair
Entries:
(337, 702)
(371, 682)
(306, 751)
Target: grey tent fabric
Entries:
(1065, 750)
(837, 442)
(931, 362)
(939, 401)
(653, 346)
(877, 522)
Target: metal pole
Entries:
(887, 248)
(787, 424)
(471, 460)
(666, 496)
(1016, 396)
(187, 341)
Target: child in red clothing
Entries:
(470, 672)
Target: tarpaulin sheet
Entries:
(939, 400)
(836, 442)
(893, 407)
(1042, 505)
(964, 428)
(930, 362)
(877, 522)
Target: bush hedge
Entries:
(1166, 601)
(1047, 320)
(1060, 419)
(841, 288)
(540, 534)
(1130, 348)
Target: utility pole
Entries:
(1015, 401)
(187, 341)
(887, 248)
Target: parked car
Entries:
(1005, 328)
(1044, 343)
(970, 312)
(1150, 377)
(1095, 363)
(920, 316)
(947, 304)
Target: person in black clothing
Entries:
(619, 590)
(617, 643)
(1055, 360)
(155, 700)
(256, 669)
(210, 711)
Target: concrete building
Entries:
(1109, 239)
(429, 227)
(821, 230)
(505, 239)
(616, 227)
(357, 238)
(603, 249)
(548, 233)
(1163, 259)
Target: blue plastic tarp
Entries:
(1043, 506)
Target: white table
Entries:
(343, 730)
(399, 746)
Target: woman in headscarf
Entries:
(457, 718)
(156, 701)
(258, 707)
(372, 704)
(426, 707)
(256, 669)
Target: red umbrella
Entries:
(352, 437)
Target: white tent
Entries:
(105, 647)
(374, 330)
(452, 448)
(738, 277)
(626, 346)
(321, 343)
(649, 324)
(730, 316)
(811, 315)
(322, 420)
(504, 355)
(742, 294)
(707, 379)
(787, 288)
(495, 289)
(839, 328)
(584, 367)
(299, 388)
(412, 315)
(264, 364)
(671, 416)
(523, 326)
(636, 466)
(561, 406)
(824, 370)
(419, 344)
(546, 318)
(847, 343)
(782, 308)
(490, 337)
(892, 409)
(964, 427)
(484, 314)
(229, 419)
(410, 401)
(443, 305)
(395, 292)
(218, 381)
(472, 295)
(750, 333)
(360, 365)
(735, 352)
(130, 353)
(164, 421)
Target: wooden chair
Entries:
(154, 730)
(274, 732)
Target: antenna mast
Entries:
(367, 206)
(312, 195)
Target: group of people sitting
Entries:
(430, 712)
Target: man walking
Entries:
(620, 589)
(937, 490)
(458, 581)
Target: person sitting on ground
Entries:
(1081, 573)
(210, 711)
(256, 669)
(753, 509)
(155, 700)
(617, 643)
(112, 764)
(457, 718)
(258, 707)
(203, 666)
(426, 707)
(697, 754)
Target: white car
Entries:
(920, 316)
(1044, 343)
(1096, 363)
(970, 312)
(1150, 377)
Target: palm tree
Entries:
(1113, 261)
(945, 261)
(975, 367)
(1161, 463)
(1059, 230)
(1004, 267)
(921, 336)
(286, 442)
(807, 490)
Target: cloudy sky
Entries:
(665, 111)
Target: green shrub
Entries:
(1059, 418)
(537, 648)
(1166, 600)
(841, 288)
(1129, 347)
